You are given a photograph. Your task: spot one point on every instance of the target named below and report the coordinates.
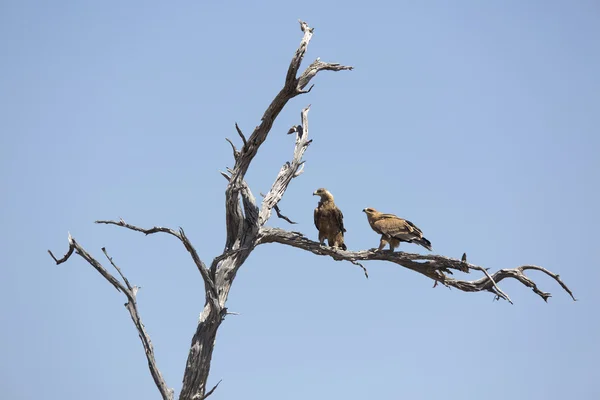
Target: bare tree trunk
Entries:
(246, 230)
(200, 355)
(198, 362)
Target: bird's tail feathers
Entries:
(423, 242)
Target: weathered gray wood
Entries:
(243, 228)
(246, 229)
(288, 171)
(131, 306)
(433, 266)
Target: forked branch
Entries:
(432, 266)
(245, 230)
(292, 87)
(131, 305)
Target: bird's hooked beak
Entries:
(315, 193)
(364, 210)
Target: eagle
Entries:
(394, 230)
(329, 220)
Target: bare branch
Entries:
(209, 392)
(288, 171)
(208, 282)
(515, 273)
(554, 276)
(131, 305)
(291, 88)
(225, 176)
(66, 256)
(313, 69)
(300, 170)
(150, 231)
(118, 270)
(297, 59)
(279, 214)
(236, 153)
(239, 131)
(310, 88)
(496, 289)
(204, 272)
(432, 266)
(362, 266)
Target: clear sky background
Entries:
(476, 120)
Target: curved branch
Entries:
(131, 305)
(515, 273)
(236, 153)
(283, 217)
(209, 285)
(432, 266)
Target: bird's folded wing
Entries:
(339, 217)
(393, 227)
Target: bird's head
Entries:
(323, 193)
(369, 211)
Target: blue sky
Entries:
(476, 120)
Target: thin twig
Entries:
(211, 391)
(239, 131)
(236, 153)
(280, 215)
(118, 269)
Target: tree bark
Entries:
(246, 229)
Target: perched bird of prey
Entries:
(329, 220)
(464, 258)
(394, 230)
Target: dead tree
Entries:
(246, 229)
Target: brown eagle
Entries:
(394, 230)
(329, 220)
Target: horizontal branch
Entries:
(313, 69)
(131, 306)
(432, 266)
